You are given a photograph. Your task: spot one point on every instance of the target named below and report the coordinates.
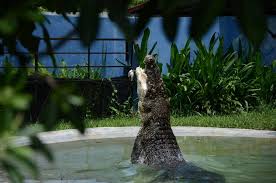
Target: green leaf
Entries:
(7, 25)
(160, 66)
(170, 26)
(274, 64)
(47, 40)
(14, 174)
(152, 48)
(252, 19)
(21, 101)
(27, 39)
(75, 100)
(48, 116)
(204, 15)
(6, 117)
(88, 22)
(23, 156)
(30, 130)
(213, 42)
(144, 43)
(229, 65)
(37, 145)
(143, 18)
(120, 17)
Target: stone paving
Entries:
(122, 132)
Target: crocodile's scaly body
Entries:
(155, 144)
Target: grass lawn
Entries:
(253, 120)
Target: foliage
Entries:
(82, 72)
(218, 83)
(15, 160)
(119, 109)
(136, 2)
(79, 72)
(142, 51)
(16, 16)
(18, 20)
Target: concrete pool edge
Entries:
(128, 132)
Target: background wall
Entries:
(58, 28)
(225, 26)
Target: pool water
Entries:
(238, 160)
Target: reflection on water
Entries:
(237, 160)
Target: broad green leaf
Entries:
(27, 39)
(252, 19)
(144, 42)
(7, 25)
(143, 18)
(170, 26)
(48, 116)
(88, 22)
(213, 42)
(23, 156)
(47, 40)
(120, 17)
(204, 15)
(75, 100)
(38, 145)
(14, 174)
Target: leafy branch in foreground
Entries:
(17, 161)
(13, 159)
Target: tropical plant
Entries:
(216, 82)
(17, 161)
(119, 109)
(141, 51)
(77, 72)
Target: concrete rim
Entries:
(131, 132)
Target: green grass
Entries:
(265, 120)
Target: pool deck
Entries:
(131, 132)
(128, 132)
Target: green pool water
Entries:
(238, 160)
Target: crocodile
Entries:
(155, 144)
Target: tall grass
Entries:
(216, 82)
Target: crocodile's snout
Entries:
(149, 60)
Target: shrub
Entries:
(216, 82)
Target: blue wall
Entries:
(225, 26)
(229, 29)
(58, 27)
(163, 44)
